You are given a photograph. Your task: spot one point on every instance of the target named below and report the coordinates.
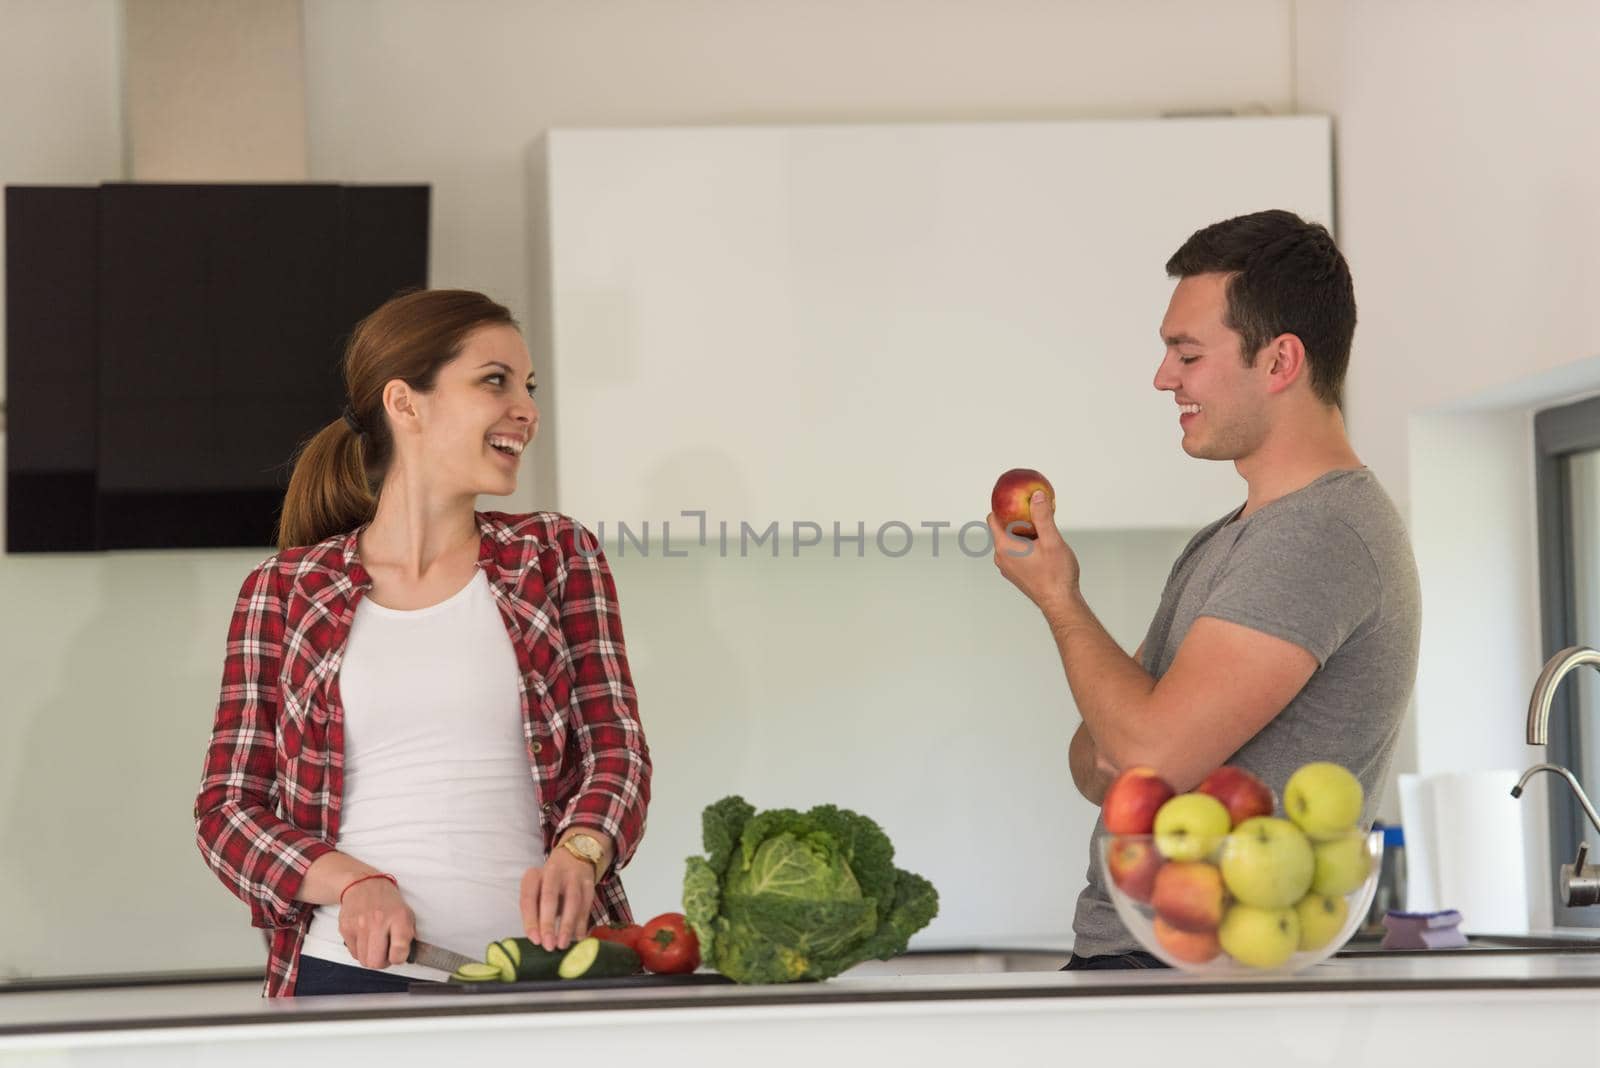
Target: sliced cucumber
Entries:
(474, 972)
(594, 959)
(533, 961)
(501, 961)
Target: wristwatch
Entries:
(585, 847)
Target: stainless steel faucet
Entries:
(1544, 691)
(1578, 887)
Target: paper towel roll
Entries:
(1422, 869)
(1471, 850)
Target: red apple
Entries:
(1132, 864)
(1132, 799)
(1196, 947)
(1188, 895)
(1241, 793)
(1011, 498)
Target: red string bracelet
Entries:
(364, 878)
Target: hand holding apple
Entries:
(1012, 496)
(1033, 556)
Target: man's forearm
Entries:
(1111, 690)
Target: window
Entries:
(1567, 459)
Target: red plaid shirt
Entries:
(274, 773)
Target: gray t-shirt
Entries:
(1329, 568)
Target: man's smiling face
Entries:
(1221, 402)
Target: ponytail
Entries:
(329, 492)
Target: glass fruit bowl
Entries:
(1262, 899)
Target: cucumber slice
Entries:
(533, 960)
(500, 960)
(474, 972)
(594, 959)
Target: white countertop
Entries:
(1463, 1009)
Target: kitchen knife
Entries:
(431, 956)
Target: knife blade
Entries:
(431, 956)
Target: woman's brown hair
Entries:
(339, 471)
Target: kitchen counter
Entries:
(1472, 1008)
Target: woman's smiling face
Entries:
(473, 426)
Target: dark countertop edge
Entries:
(488, 1005)
(116, 980)
(60, 983)
(64, 983)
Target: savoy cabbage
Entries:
(787, 895)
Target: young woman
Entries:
(427, 725)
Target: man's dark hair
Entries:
(1287, 277)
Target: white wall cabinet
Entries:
(868, 323)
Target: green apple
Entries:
(1323, 799)
(1343, 864)
(1190, 826)
(1261, 938)
(1267, 862)
(1321, 919)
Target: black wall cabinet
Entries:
(169, 346)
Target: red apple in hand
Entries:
(1010, 501)
(1188, 895)
(1132, 864)
(1241, 793)
(1132, 799)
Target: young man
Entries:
(1288, 629)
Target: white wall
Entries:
(1467, 162)
(869, 323)
(459, 96)
(519, 69)
(508, 71)
(923, 691)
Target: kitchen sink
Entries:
(964, 962)
(983, 960)
(1370, 946)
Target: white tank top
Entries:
(437, 788)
